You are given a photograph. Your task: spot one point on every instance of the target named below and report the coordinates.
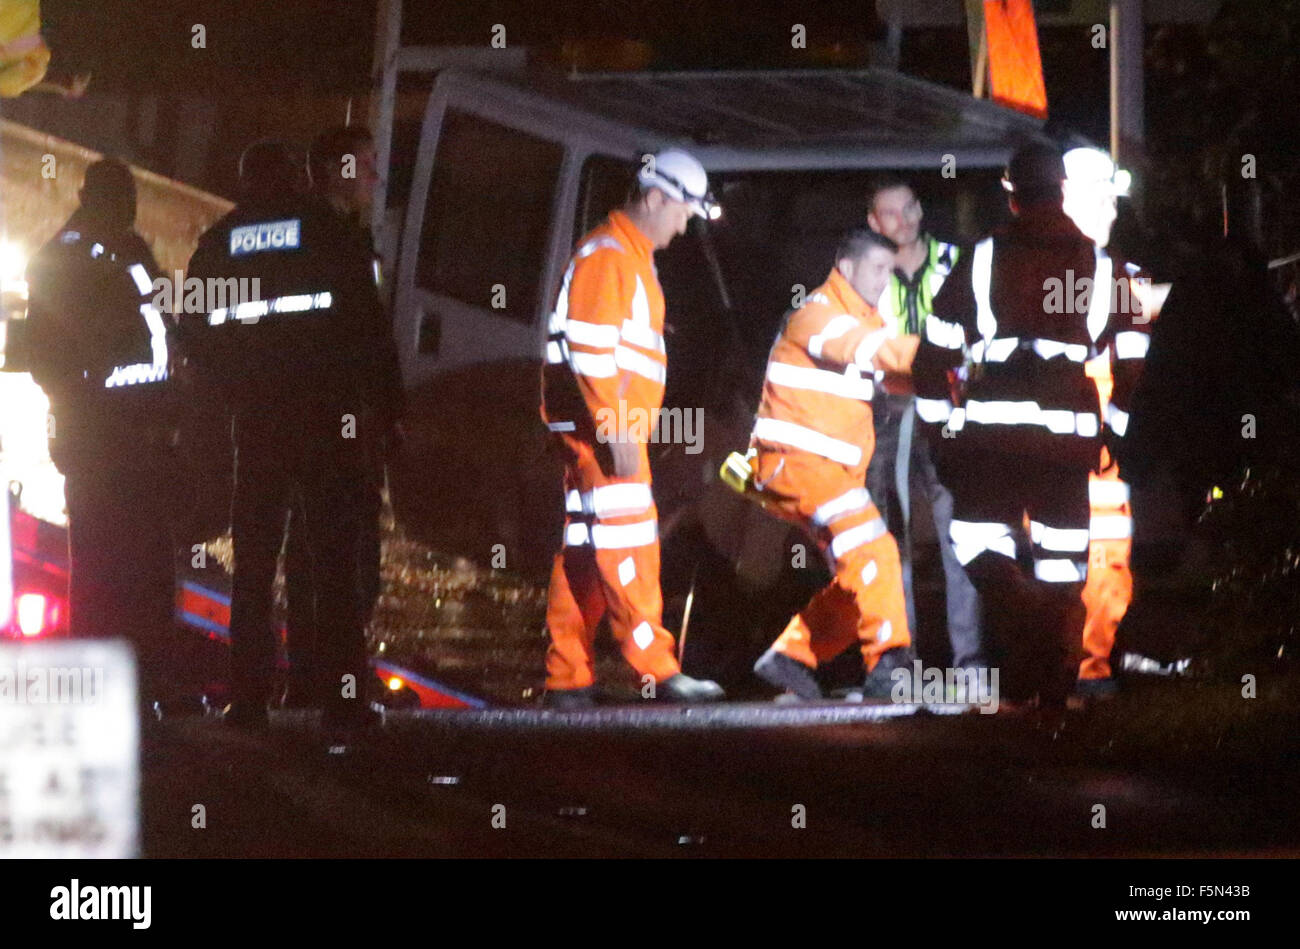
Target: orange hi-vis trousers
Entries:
(609, 567)
(1109, 589)
(864, 603)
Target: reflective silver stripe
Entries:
(981, 279)
(972, 538)
(573, 502)
(642, 365)
(561, 426)
(869, 346)
(1110, 527)
(618, 536)
(834, 329)
(1131, 344)
(1117, 419)
(1060, 571)
(554, 354)
(1107, 493)
(626, 571)
(620, 500)
(641, 335)
(593, 365)
(643, 635)
(1099, 305)
(944, 334)
(254, 310)
(848, 503)
(855, 537)
(820, 380)
(640, 304)
(589, 248)
(934, 411)
(1064, 539)
(141, 278)
(576, 535)
(134, 375)
(957, 420)
(598, 335)
(1001, 349)
(1058, 421)
(218, 316)
(788, 433)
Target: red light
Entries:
(34, 613)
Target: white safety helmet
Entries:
(1093, 168)
(680, 176)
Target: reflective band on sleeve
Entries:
(589, 248)
(1099, 305)
(1110, 527)
(1060, 539)
(598, 335)
(834, 329)
(618, 536)
(293, 304)
(1131, 345)
(642, 335)
(1086, 424)
(981, 280)
(621, 500)
(1107, 493)
(855, 537)
(972, 538)
(252, 311)
(848, 503)
(218, 316)
(1117, 419)
(934, 411)
(573, 502)
(554, 354)
(788, 433)
(141, 278)
(642, 365)
(576, 535)
(1060, 571)
(593, 365)
(944, 334)
(868, 348)
(561, 426)
(821, 380)
(999, 350)
(957, 421)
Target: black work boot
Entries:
(569, 700)
(682, 688)
(790, 675)
(879, 683)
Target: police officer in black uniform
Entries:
(299, 366)
(99, 347)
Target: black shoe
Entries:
(682, 688)
(789, 675)
(247, 716)
(879, 683)
(569, 700)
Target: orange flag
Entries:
(1015, 68)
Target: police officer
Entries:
(99, 347)
(341, 164)
(299, 364)
(1028, 431)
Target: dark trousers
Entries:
(300, 594)
(890, 476)
(1033, 610)
(122, 580)
(281, 464)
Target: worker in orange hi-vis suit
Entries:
(813, 438)
(1092, 185)
(602, 387)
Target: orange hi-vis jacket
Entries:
(821, 377)
(613, 356)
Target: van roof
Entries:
(779, 119)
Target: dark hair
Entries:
(886, 182)
(329, 147)
(268, 168)
(1036, 171)
(855, 244)
(108, 181)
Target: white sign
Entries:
(69, 750)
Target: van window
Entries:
(488, 215)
